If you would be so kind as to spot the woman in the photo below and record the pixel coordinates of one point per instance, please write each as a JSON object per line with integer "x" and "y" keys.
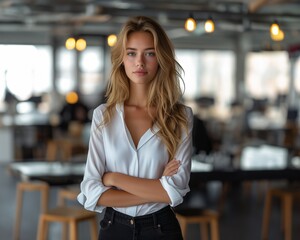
{"x": 140, "y": 147}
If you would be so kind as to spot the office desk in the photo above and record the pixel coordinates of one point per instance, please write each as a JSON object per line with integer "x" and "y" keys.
{"x": 238, "y": 175}
{"x": 65, "y": 173}
{"x": 54, "y": 173}
{"x": 254, "y": 164}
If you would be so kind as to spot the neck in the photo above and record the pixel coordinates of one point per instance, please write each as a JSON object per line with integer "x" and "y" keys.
{"x": 138, "y": 96}
{"x": 136, "y": 102}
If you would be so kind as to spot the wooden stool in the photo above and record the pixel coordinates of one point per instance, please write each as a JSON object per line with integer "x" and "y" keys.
{"x": 203, "y": 217}
{"x": 286, "y": 196}
{"x": 64, "y": 149}
{"x": 69, "y": 193}
{"x": 65, "y": 194}
{"x": 68, "y": 216}
{"x": 42, "y": 187}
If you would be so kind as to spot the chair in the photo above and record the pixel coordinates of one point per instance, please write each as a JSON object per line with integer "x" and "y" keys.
{"x": 66, "y": 146}
{"x": 68, "y": 216}
{"x": 30, "y": 186}
{"x": 205, "y": 218}
{"x": 69, "y": 193}
{"x": 64, "y": 195}
{"x": 286, "y": 195}
{"x": 64, "y": 149}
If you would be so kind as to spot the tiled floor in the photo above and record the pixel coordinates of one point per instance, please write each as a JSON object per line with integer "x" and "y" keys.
{"x": 241, "y": 218}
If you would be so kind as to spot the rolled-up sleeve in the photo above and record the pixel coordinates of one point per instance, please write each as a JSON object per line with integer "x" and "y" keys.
{"x": 177, "y": 186}
{"x": 92, "y": 187}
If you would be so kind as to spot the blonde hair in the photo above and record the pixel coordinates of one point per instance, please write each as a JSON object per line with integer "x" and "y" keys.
{"x": 164, "y": 90}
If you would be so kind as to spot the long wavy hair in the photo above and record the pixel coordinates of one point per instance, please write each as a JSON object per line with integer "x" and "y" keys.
{"x": 164, "y": 90}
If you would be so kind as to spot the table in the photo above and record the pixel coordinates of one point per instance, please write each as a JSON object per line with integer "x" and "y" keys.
{"x": 54, "y": 173}
{"x": 238, "y": 175}
{"x": 262, "y": 162}
{"x": 256, "y": 163}
{"x": 65, "y": 173}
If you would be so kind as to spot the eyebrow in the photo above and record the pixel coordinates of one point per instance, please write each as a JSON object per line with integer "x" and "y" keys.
{"x": 134, "y": 49}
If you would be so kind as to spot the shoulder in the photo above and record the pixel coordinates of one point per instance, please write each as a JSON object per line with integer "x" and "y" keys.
{"x": 189, "y": 116}
{"x": 99, "y": 111}
{"x": 188, "y": 112}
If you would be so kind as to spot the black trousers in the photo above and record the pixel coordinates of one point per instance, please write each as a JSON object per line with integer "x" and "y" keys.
{"x": 161, "y": 225}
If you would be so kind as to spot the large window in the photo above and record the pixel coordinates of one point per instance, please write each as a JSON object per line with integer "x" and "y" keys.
{"x": 208, "y": 74}
{"x": 297, "y": 75}
{"x": 91, "y": 69}
{"x": 81, "y": 71}
{"x": 65, "y": 70}
{"x": 267, "y": 74}
{"x": 25, "y": 70}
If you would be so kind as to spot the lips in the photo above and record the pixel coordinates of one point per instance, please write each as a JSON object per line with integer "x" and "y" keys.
{"x": 140, "y": 73}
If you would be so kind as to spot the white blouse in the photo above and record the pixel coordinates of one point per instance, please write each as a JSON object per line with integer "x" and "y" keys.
{"x": 111, "y": 149}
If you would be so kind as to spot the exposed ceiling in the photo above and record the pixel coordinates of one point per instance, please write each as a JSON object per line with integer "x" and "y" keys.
{"x": 234, "y": 18}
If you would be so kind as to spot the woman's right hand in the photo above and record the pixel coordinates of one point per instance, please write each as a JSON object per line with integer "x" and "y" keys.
{"x": 171, "y": 168}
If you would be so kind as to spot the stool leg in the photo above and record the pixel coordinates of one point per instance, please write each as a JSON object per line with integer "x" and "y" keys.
{"x": 42, "y": 229}
{"x": 288, "y": 202}
{"x": 44, "y": 199}
{"x": 72, "y": 231}
{"x": 183, "y": 226}
{"x": 64, "y": 231}
{"x": 214, "y": 226}
{"x": 203, "y": 231}
{"x": 44, "y": 205}
{"x": 266, "y": 216}
{"x": 18, "y": 216}
{"x": 94, "y": 229}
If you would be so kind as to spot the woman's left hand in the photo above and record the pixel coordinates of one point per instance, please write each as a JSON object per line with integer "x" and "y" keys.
{"x": 171, "y": 168}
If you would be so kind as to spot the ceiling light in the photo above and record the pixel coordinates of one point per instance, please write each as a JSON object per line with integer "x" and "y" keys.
{"x": 274, "y": 29}
{"x": 80, "y": 44}
{"x": 278, "y": 37}
{"x": 72, "y": 98}
{"x": 190, "y": 24}
{"x": 111, "y": 40}
{"x": 70, "y": 43}
{"x": 209, "y": 25}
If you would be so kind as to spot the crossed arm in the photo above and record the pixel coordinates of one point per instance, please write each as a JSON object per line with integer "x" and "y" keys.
{"x": 133, "y": 190}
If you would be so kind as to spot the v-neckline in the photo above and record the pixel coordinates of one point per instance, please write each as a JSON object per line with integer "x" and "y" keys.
{"x": 140, "y": 141}
{"x": 147, "y": 135}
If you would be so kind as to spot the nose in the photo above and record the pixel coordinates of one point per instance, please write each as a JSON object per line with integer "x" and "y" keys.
{"x": 140, "y": 64}
{"x": 140, "y": 61}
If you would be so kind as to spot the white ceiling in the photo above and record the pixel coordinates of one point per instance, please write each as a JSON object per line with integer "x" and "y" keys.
{"x": 235, "y": 19}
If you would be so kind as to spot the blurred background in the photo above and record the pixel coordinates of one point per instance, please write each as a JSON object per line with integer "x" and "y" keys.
{"x": 241, "y": 77}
